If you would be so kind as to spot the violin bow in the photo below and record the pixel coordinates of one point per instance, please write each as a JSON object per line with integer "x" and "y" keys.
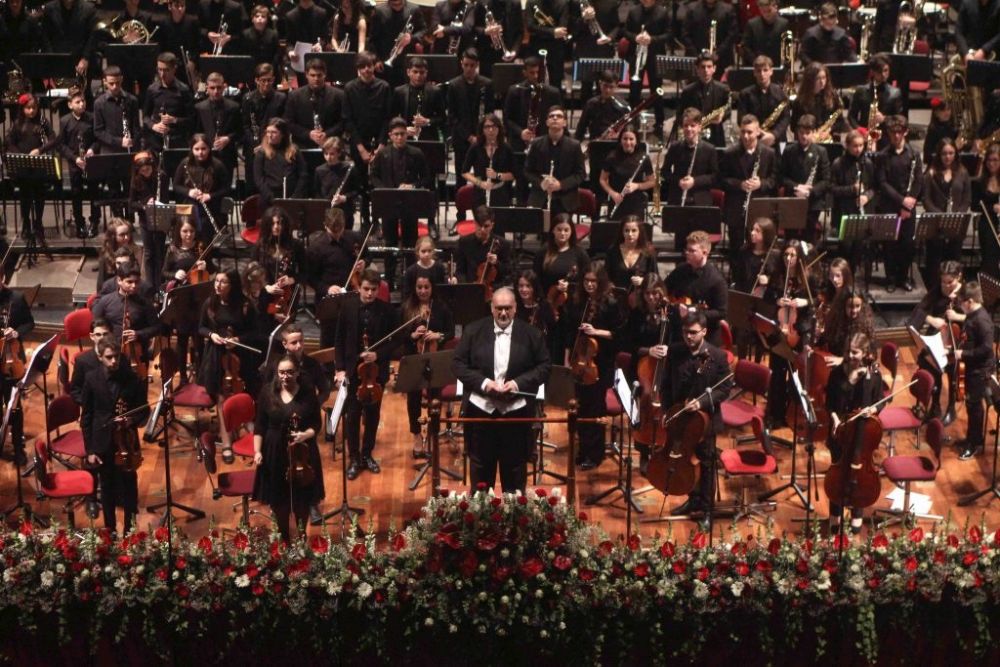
{"x": 393, "y": 332}
{"x": 881, "y": 401}
{"x": 130, "y": 412}
{"x": 982, "y": 205}
{"x": 763, "y": 264}
{"x": 211, "y": 243}
{"x": 707, "y": 391}
{"x": 354, "y": 266}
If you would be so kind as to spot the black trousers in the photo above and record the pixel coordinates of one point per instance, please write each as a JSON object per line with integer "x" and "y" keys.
{"x": 16, "y": 417}
{"x": 354, "y": 410}
{"x": 118, "y": 489}
{"x": 591, "y": 404}
{"x": 901, "y": 252}
{"x": 704, "y": 493}
{"x": 282, "y": 513}
{"x": 975, "y": 408}
{"x": 414, "y": 409}
{"x": 507, "y": 446}
{"x": 81, "y": 189}
{"x": 394, "y": 231}
{"x": 154, "y": 251}
{"x": 635, "y": 88}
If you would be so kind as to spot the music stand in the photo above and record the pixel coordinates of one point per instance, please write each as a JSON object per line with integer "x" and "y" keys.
{"x": 993, "y": 490}
{"x": 559, "y": 391}
{"x": 41, "y": 169}
{"x": 805, "y": 405}
{"x": 739, "y": 78}
{"x": 135, "y": 60}
{"x": 943, "y": 226}
{"x": 991, "y": 290}
{"x": 676, "y": 69}
{"x": 347, "y": 512}
{"x": 328, "y": 306}
{"x": 847, "y": 75}
{"x": 160, "y": 217}
{"x": 682, "y": 220}
{"x": 741, "y": 307}
{"x": 630, "y": 410}
{"x": 441, "y": 67}
{"x": 396, "y": 204}
{"x": 340, "y": 67}
{"x": 36, "y": 66}
{"x": 235, "y": 70}
{"x": 183, "y": 300}
{"x": 467, "y": 301}
{"x": 306, "y": 215}
{"x": 435, "y": 155}
{"x": 868, "y": 229}
{"x": 429, "y": 371}
{"x": 982, "y": 73}
{"x": 589, "y": 69}
{"x": 786, "y": 212}
{"x": 165, "y": 408}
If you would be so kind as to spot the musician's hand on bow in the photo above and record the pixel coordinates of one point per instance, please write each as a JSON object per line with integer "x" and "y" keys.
{"x": 274, "y": 290}
{"x": 179, "y": 275}
{"x": 230, "y": 342}
{"x": 129, "y": 335}
{"x": 587, "y": 329}
{"x": 433, "y": 335}
{"x": 692, "y": 406}
{"x": 369, "y": 356}
{"x": 763, "y": 280}
{"x": 658, "y": 351}
{"x": 788, "y": 302}
{"x": 419, "y": 332}
{"x": 297, "y": 437}
{"x": 953, "y": 316}
{"x": 686, "y": 183}
{"x": 832, "y": 361}
{"x": 10, "y": 333}
{"x": 868, "y": 412}
{"x": 334, "y": 290}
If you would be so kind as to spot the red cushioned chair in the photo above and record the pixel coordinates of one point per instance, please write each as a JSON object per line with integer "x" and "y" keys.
{"x": 76, "y": 325}
{"x": 752, "y": 378}
{"x": 63, "y": 370}
{"x": 726, "y": 334}
{"x": 464, "y": 203}
{"x": 588, "y": 208}
{"x": 238, "y": 484}
{"x": 190, "y": 395}
{"x": 74, "y": 486}
{"x": 239, "y": 412}
{"x": 383, "y": 291}
{"x": 613, "y": 407}
{"x": 62, "y": 411}
{"x": 904, "y": 470}
{"x": 750, "y": 462}
{"x": 91, "y": 300}
{"x": 250, "y": 214}
{"x": 889, "y": 356}
{"x": 899, "y": 418}
{"x": 920, "y": 48}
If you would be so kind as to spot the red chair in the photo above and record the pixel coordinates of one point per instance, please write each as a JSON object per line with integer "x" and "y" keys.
{"x": 76, "y": 324}
{"x": 74, "y": 486}
{"x": 752, "y": 378}
{"x": 238, "y": 484}
{"x": 898, "y": 418}
{"x": 250, "y": 214}
{"x": 63, "y": 370}
{"x": 239, "y": 411}
{"x": 904, "y": 470}
{"x": 889, "y": 356}
{"x": 383, "y": 291}
{"x": 614, "y": 408}
{"x": 588, "y": 208}
{"x": 726, "y": 334}
{"x": 189, "y": 395}
{"x": 920, "y": 48}
{"x": 62, "y": 411}
{"x": 750, "y": 462}
{"x": 464, "y": 202}
{"x": 90, "y": 302}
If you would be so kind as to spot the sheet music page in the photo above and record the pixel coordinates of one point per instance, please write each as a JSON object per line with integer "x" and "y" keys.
{"x": 935, "y": 345}
{"x": 302, "y": 50}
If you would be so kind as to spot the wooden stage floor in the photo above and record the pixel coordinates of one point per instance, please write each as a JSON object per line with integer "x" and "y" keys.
{"x": 387, "y": 501}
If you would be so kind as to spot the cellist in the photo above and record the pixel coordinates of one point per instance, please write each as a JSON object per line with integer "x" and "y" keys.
{"x": 16, "y": 322}
{"x": 591, "y": 313}
{"x": 646, "y": 334}
{"x": 929, "y": 318}
{"x": 694, "y": 367}
{"x": 854, "y": 385}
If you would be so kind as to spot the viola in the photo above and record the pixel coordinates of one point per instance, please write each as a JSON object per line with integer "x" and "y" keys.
{"x": 300, "y": 470}
{"x": 11, "y": 351}
{"x": 132, "y": 350}
{"x": 649, "y": 372}
{"x": 369, "y": 389}
{"x": 673, "y": 467}
{"x": 852, "y": 480}
{"x": 128, "y": 453}
{"x": 486, "y": 273}
{"x": 229, "y": 360}
{"x": 582, "y": 360}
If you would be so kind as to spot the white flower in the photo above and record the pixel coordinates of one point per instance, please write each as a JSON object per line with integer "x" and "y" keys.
{"x": 737, "y": 588}
{"x": 332, "y": 588}
{"x": 427, "y": 621}
{"x": 700, "y": 590}
{"x": 539, "y": 593}
{"x": 242, "y": 581}
{"x": 47, "y": 579}
{"x": 364, "y": 590}
{"x": 823, "y": 582}
{"x": 504, "y": 599}
{"x": 60, "y": 568}
{"x": 120, "y": 583}
{"x": 452, "y": 628}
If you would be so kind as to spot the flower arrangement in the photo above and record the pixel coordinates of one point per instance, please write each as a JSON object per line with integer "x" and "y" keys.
{"x": 499, "y": 579}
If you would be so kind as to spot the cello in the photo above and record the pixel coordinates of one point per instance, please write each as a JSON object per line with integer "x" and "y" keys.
{"x": 852, "y": 479}
{"x": 673, "y": 467}
{"x": 581, "y": 361}
{"x": 650, "y": 375}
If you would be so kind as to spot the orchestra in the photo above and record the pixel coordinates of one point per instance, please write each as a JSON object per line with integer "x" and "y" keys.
{"x": 527, "y": 104}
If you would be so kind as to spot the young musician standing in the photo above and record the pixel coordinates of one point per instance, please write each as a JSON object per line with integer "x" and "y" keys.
{"x": 747, "y": 170}
{"x": 282, "y": 257}
{"x": 852, "y": 188}
{"x": 337, "y": 181}
{"x": 527, "y": 105}
{"x": 27, "y": 135}
{"x": 364, "y": 323}
{"x": 279, "y": 170}
{"x": 330, "y": 257}
{"x": 88, "y": 360}
{"x": 980, "y": 364}
{"x": 555, "y": 167}
{"x": 827, "y": 42}
{"x": 315, "y": 111}
{"x": 897, "y": 178}
{"x": 947, "y": 189}
{"x": 762, "y": 35}
{"x": 75, "y": 143}
{"x": 601, "y": 111}
{"x": 706, "y": 95}
{"x": 15, "y": 315}
{"x": 116, "y": 130}
{"x": 547, "y": 23}
{"x": 468, "y": 98}
{"x": 366, "y": 118}
{"x": 647, "y": 24}
{"x": 203, "y": 180}
{"x": 690, "y": 165}
{"x": 986, "y": 195}
{"x": 219, "y": 120}
{"x": 419, "y": 103}
{"x": 632, "y": 258}
{"x": 396, "y": 22}
{"x": 762, "y": 99}
{"x": 260, "y": 106}
{"x": 169, "y": 108}
{"x": 626, "y": 176}
{"x": 805, "y": 171}
{"x": 144, "y": 325}
{"x": 890, "y": 99}
{"x": 929, "y": 317}
{"x": 489, "y": 164}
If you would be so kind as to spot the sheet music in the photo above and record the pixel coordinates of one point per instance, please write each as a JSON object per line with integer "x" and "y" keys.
{"x": 933, "y": 343}
{"x": 338, "y": 409}
{"x": 302, "y": 49}
{"x": 624, "y": 393}
{"x": 540, "y": 394}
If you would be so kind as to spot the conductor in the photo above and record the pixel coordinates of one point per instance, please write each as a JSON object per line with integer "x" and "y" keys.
{"x": 501, "y": 363}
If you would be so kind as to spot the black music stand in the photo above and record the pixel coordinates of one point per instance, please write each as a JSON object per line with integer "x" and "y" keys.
{"x": 739, "y": 78}
{"x": 467, "y": 301}
{"x": 943, "y": 226}
{"x": 396, "y": 204}
{"x": 518, "y": 221}
{"x": 340, "y": 67}
{"x": 306, "y": 215}
{"x": 982, "y": 73}
{"x": 682, "y": 220}
{"x": 786, "y": 212}
{"x": 43, "y": 170}
{"x": 110, "y": 168}
{"x": 907, "y": 67}
{"x": 328, "y": 306}
{"x": 991, "y": 290}
{"x": 346, "y": 511}
{"x": 847, "y": 75}
{"x": 590, "y": 69}
{"x": 429, "y": 371}
{"x": 993, "y": 490}
{"x": 135, "y": 60}
{"x": 441, "y": 67}
{"x": 154, "y": 429}
{"x": 868, "y": 229}
{"x": 184, "y": 302}
{"x": 236, "y": 70}
{"x": 160, "y": 217}
{"x": 36, "y": 66}
{"x": 675, "y": 68}
{"x": 740, "y": 310}
{"x": 627, "y": 398}
{"x": 560, "y": 390}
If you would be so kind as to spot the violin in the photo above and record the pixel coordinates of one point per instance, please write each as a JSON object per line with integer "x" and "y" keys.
{"x": 229, "y": 360}
{"x": 673, "y": 466}
{"x": 128, "y": 453}
{"x": 556, "y": 297}
{"x": 132, "y": 350}
{"x": 11, "y": 351}
{"x": 486, "y": 273}
{"x": 581, "y": 361}
{"x": 649, "y": 372}
{"x": 300, "y": 470}
{"x": 369, "y": 389}
{"x": 852, "y": 479}
{"x": 423, "y": 345}
{"x": 788, "y": 315}
{"x": 281, "y": 305}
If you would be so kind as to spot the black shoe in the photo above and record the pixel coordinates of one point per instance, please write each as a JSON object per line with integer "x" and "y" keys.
{"x": 961, "y": 444}
{"x": 587, "y": 465}
{"x": 315, "y": 517}
{"x": 372, "y": 465}
{"x": 690, "y": 506}
{"x": 93, "y": 509}
{"x": 643, "y": 464}
{"x": 970, "y": 452}
{"x": 421, "y": 454}
{"x": 353, "y": 470}
{"x": 227, "y": 455}
{"x": 908, "y": 285}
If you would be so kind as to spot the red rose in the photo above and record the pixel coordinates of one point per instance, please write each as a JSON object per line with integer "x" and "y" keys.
{"x": 911, "y": 584}
{"x": 480, "y": 486}
{"x": 702, "y": 574}
{"x": 359, "y": 551}
{"x": 319, "y": 544}
{"x": 398, "y": 542}
{"x": 26, "y": 527}
{"x": 939, "y": 556}
{"x": 241, "y": 541}
{"x": 953, "y": 541}
{"x": 605, "y": 548}
{"x": 541, "y": 493}
{"x": 469, "y": 564}
{"x": 469, "y": 518}
{"x": 496, "y": 502}
{"x": 161, "y": 574}
{"x": 582, "y": 516}
{"x": 183, "y": 591}
{"x": 764, "y": 567}
{"x": 180, "y": 563}
{"x": 379, "y": 597}
{"x": 553, "y": 501}
{"x": 532, "y": 567}
{"x": 700, "y": 540}
{"x": 917, "y": 535}
{"x": 969, "y": 558}
{"x": 562, "y": 562}
{"x": 667, "y": 549}
{"x": 911, "y": 564}
{"x": 975, "y": 534}
{"x": 586, "y": 575}
{"x": 774, "y": 546}
{"x": 161, "y": 534}
{"x": 802, "y": 584}
{"x": 880, "y": 541}
{"x": 125, "y": 560}
{"x": 463, "y": 505}
{"x": 522, "y": 500}
{"x": 679, "y": 567}
{"x": 977, "y": 580}
{"x": 841, "y": 541}
{"x": 252, "y": 571}
{"x": 257, "y": 589}
{"x": 641, "y": 570}
{"x": 556, "y": 540}
{"x": 802, "y": 566}
{"x": 634, "y": 542}
{"x": 205, "y": 544}
{"x": 830, "y": 565}
{"x": 550, "y": 517}
{"x": 742, "y": 569}
{"x": 874, "y": 582}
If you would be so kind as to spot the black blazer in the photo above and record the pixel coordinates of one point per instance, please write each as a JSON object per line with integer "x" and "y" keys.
{"x": 303, "y": 103}
{"x": 681, "y": 383}
{"x": 382, "y": 320}
{"x": 529, "y": 362}
{"x": 82, "y": 366}
{"x": 100, "y": 393}
{"x": 517, "y": 106}
{"x": 569, "y": 169}
{"x": 416, "y": 168}
{"x": 222, "y": 120}
{"x": 732, "y": 173}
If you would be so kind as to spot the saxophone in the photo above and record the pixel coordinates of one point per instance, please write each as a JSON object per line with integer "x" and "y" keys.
{"x": 771, "y": 120}
{"x": 714, "y": 116}
{"x": 824, "y": 129}
{"x": 874, "y": 134}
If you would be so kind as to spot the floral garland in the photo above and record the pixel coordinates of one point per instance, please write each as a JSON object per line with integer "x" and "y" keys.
{"x": 502, "y": 577}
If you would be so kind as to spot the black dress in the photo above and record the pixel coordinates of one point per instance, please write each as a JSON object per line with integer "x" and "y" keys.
{"x": 476, "y": 162}
{"x": 620, "y": 274}
{"x": 620, "y": 167}
{"x": 226, "y": 321}
{"x": 271, "y": 485}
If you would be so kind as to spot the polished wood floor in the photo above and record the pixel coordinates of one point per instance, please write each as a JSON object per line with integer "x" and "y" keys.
{"x": 388, "y": 502}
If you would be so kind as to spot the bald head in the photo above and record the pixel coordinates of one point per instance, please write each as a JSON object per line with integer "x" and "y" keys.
{"x": 504, "y": 305}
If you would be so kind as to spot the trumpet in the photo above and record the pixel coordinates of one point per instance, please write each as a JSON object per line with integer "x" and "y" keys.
{"x": 496, "y": 38}
{"x": 713, "y": 28}
{"x": 339, "y": 47}
{"x": 593, "y": 24}
{"x": 398, "y": 47}
{"x": 547, "y": 21}
{"x": 641, "y": 55}
{"x": 223, "y": 30}
{"x": 456, "y": 24}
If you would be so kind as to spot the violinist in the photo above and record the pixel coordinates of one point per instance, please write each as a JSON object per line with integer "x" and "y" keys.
{"x": 701, "y": 284}
{"x": 849, "y": 314}
{"x": 254, "y": 279}
{"x": 183, "y": 259}
{"x": 330, "y": 256}
{"x": 87, "y": 360}
{"x": 226, "y": 369}
{"x": 426, "y": 266}
{"x": 122, "y": 256}
{"x": 482, "y": 247}
{"x": 749, "y": 262}
{"x": 337, "y": 181}
{"x": 986, "y": 194}
{"x": 281, "y": 255}
{"x": 978, "y": 355}
{"x": 143, "y": 322}
{"x": 427, "y": 334}
{"x": 854, "y": 385}
{"x": 694, "y": 367}
{"x": 279, "y": 169}
{"x": 746, "y": 170}
{"x": 531, "y": 304}
{"x": 118, "y": 234}
{"x": 203, "y": 180}
{"x": 287, "y": 412}
{"x": 791, "y": 288}
{"x": 929, "y": 317}
{"x": 144, "y": 191}
{"x": 16, "y": 322}
{"x": 364, "y": 322}
{"x": 489, "y": 164}
{"x": 947, "y": 189}
{"x": 589, "y": 326}
{"x": 626, "y": 177}
{"x": 107, "y": 389}
{"x": 563, "y": 260}
{"x": 645, "y": 328}
{"x": 633, "y": 257}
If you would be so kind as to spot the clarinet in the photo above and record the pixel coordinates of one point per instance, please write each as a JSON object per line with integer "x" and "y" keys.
{"x": 694, "y": 154}
{"x": 126, "y": 130}
{"x": 340, "y": 188}
{"x": 489, "y": 191}
{"x": 204, "y": 207}
{"x": 812, "y": 173}
{"x": 631, "y": 180}
{"x": 861, "y": 207}
{"x": 166, "y": 135}
{"x": 753, "y": 175}
{"x": 418, "y": 112}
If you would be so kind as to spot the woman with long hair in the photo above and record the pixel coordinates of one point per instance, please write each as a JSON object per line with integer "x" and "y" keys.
{"x": 287, "y": 412}
{"x": 435, "y": 326}
{"x": 143, "y": 192}
{"x": 348, "y": 21}
{"x": 947, "y": 189}
{"x": 118, "y": 234}
{"x": 817, "y": 96}
{"x": 182, "y": 258}
{"x": 279, "y": 169}
{"x": 489, "y": 164}
{"x": 647, "y": 320}
{"x": 748, "y": 263}
{"x": 839, "y": 279}
{"x": 281, "y": 256}
{"x": 202, "y": 181}
{"x": 562, "y": 260}
{"x": 849, "y": 314}
{"x": 986, "y": 195}
{"x": 627, "y": 196}
{"x": 225, "y": 317}
{"x": 633, "y": 256}
{"x": 531, "y": 304}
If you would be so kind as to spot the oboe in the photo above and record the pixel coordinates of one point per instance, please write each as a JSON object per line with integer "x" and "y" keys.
{"x": 489, "y": 180}
{"x": 858, "y": 184}
{"x": 548, "y": 200}
{"x": 340, "y": 188}
{"x": 694, "y": 154}
{"x": 631, "y": 180}
{"x": 753, "y": 175}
